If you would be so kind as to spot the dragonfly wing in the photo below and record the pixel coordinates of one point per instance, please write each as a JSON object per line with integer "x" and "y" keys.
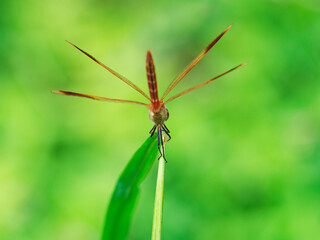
{"x": 122, "y": 78}
{"x": 192, "y": 64}
{"x": 204, "y": 83}
{"x": 98, "y": 98}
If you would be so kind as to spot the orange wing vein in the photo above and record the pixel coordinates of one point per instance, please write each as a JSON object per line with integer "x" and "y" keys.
{"x": 192, "y": 64}
{"x": 99, "y": 98}
{"x": 204, "y": 83}
{"x": 127, "y": 81}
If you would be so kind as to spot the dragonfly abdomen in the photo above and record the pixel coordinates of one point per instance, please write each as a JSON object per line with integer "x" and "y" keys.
{"x": 152, "y": 82}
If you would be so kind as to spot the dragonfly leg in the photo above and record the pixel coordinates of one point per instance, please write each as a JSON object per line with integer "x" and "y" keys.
{"x": 162, "y": 147}
{"x": 158, "y": 131}
{"x": 165, "y": 129}
{"x": 152, "y": 131}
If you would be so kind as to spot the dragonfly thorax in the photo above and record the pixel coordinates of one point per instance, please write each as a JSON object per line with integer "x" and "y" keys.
{"x": 159, "y": 117}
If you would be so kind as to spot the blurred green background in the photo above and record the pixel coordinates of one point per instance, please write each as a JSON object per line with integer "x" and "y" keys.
{"x": 244, "y": 159}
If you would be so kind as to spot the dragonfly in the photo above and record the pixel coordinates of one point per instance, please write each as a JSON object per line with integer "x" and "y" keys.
{"x": 158, "y": 112}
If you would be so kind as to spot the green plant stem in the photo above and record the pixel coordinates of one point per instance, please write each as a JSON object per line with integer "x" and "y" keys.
{"x": 158, "y": 204}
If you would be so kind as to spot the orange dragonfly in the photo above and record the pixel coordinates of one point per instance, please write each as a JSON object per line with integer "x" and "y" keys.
{"x": 158, "y": 112}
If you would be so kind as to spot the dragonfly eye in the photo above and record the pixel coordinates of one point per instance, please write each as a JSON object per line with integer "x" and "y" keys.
{"x": 167, "y": 114}
{"x": 164, "y": 113}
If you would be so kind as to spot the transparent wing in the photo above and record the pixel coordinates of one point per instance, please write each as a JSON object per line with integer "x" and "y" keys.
{"x": 122, "y": 78}
{"x": 204, "y": 83}
{"x": 99, "y": 98}
{"x": 192, "y": 64}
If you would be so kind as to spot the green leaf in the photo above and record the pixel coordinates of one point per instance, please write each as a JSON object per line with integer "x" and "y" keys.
{"x": 125, "y": 194}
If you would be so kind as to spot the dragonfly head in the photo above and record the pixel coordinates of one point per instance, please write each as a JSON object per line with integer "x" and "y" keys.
{"x": 160, "y": 116}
